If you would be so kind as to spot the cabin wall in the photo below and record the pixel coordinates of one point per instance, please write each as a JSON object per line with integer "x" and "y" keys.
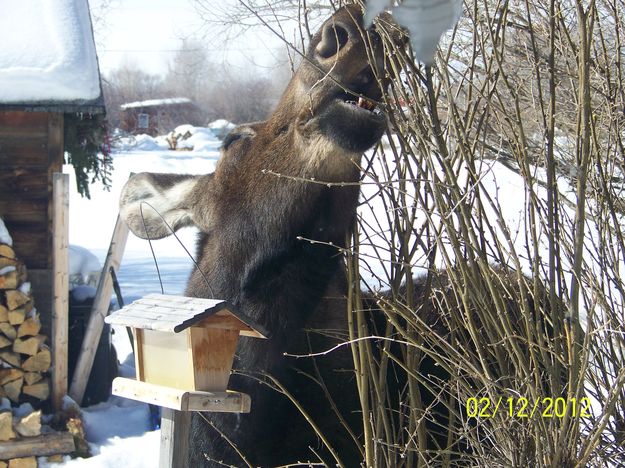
{"x": 31, "y": 150}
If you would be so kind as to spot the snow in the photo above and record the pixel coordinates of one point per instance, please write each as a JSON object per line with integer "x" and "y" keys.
{"x": 25, "y": 287}
{"x": 196, "y": 138}
{"x": 221, "y": 127}
{"x": 141, "y": 142}
{"x": 155, "y": 102}
{"x": 118, "y": 417}
{"x": 220, "y": 124}
{"x": 23, "y": 410}
{"x": 7, "y": 269}
{"x": 84, "y": 267}
{"x": 48, "y": 55}
{"x": 5, "y": 237}
{"x": 83, "y": 292}
{"x": 141, "y": 451}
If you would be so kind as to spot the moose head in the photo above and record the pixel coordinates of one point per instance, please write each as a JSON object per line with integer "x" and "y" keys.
{"x": 327, "y": 117}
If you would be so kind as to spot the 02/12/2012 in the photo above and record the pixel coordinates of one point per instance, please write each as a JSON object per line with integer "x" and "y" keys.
{"x": 524, "y": 408}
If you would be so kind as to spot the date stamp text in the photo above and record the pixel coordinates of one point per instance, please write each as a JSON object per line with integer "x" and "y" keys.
{"x": 524, "y": 408}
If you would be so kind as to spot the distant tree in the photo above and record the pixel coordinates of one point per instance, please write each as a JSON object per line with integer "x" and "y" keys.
{"x": 245, "y": 14}
{"x": 100, "y": 11}
{"x": 128, "y": 83}
{"x": 241, "y": 100}
{"x": 190, "y": 72}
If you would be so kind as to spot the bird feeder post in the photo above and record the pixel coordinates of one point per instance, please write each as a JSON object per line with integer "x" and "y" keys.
{"x": 184, "y": 350}
{"x": 175, "y": 427}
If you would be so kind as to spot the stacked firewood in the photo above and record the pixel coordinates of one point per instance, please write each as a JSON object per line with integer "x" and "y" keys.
{"x": 23, "y": 423}
{"x": 24, "y": 357}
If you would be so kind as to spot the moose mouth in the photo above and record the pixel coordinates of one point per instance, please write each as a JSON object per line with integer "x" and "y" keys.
{"x": 353, "y": 121}
{"x": 362, "y": 95}
{"x": 360, "y": 103}
{"x": 349, "y": 114}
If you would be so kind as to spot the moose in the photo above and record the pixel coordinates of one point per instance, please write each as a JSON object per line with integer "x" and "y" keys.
{"x": 281, "y": 200}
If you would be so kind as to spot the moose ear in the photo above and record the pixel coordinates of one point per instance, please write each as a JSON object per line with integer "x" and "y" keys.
{"x": 155, "y": 205}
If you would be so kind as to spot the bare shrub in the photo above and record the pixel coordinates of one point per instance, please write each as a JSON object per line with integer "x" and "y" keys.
{"x": 535, "y": 87}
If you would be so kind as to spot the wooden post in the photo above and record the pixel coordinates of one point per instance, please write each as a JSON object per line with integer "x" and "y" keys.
{"x": 174, "y": 438}
{"x": 60, "y": 304}
{"x": 98, "y": 312}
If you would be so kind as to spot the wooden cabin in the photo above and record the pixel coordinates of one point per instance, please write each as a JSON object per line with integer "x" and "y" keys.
{"x": 159, "y": 116}
{"x": 37, "y": 93}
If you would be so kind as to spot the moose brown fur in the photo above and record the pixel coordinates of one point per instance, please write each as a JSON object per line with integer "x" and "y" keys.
{"x": 257, "y": 214}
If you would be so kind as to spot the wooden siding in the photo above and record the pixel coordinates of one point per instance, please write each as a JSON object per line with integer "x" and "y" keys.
{"x": 31, "y": 150}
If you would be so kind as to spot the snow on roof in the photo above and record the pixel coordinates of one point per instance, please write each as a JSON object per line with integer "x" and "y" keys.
{"x": 48, "y": 53}
{"x": 155, "y": 102}
{"x": 174, "y": 314}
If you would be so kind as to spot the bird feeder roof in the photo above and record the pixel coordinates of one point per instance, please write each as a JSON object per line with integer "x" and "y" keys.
{"x": 174, "y": 314}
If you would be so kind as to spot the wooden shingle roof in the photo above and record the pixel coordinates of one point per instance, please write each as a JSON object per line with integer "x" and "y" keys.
{"x": 176, "y": 313}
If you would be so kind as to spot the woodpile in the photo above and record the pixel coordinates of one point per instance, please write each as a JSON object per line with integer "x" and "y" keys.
{"x": 24, "y": 356}
{"x": 25, "y": 361}
{"x": 22, "y": 437}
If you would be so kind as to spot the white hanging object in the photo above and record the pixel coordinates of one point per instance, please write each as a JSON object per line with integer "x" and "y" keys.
{"x": 426, "y": 20}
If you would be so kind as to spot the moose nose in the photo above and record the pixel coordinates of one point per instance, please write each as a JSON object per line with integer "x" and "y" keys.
{"x": 334, "y": 37}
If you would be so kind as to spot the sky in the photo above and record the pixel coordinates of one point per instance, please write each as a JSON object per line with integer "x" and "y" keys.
{"x": 148, "y": 33}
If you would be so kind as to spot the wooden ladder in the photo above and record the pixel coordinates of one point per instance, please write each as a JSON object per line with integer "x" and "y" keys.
{"x": 99, "y": 311}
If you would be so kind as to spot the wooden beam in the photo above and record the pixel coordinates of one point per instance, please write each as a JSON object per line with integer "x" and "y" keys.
{"x": 182, "y": 400}
{"x": 174, "y": 450}
{"x": 99, "y": 312}
{"x": 45, "y": 444}
{"x": 56, "y": 151}
{"x": 60, "y": 289}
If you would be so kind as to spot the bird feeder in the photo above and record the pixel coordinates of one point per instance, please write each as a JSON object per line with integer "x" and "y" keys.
{"x": 184, "y": 350}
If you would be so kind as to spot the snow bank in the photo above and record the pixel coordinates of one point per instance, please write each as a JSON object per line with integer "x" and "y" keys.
{"x": 196, "y": 138}
{"x": 84, "y": 267}
{"x": 118, "y": 417}
{"x": 140, "y": 142}
{"x": 83, "y": 293}
{"x": 132, "y": 452}
{"x": 47, "y": 52}
{"x": 220, "y": 127}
